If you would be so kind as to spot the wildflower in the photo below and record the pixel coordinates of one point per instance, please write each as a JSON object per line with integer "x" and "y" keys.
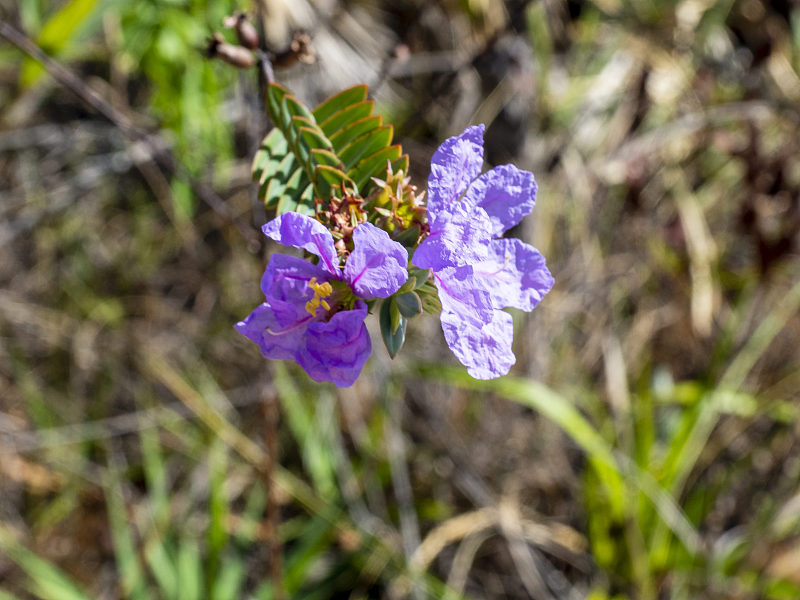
{"x": 314, "y": 314}
{"x": 477, "y": 272}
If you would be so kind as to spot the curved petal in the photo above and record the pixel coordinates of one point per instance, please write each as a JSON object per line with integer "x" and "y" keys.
{"x": 377, "y": 267}
{"x": 514, "y": 275}
{"x": 506, "y": 193}
{"x": 336, "y": 350}
{"x": 481, "y": 341}
{"x": 454, "y": 165}
{"x": 459, "y": 292}
{"x": 285, "y": 286}
{"x": 301, "y": 231}
{"x": 459, "y": 238}
{"x": 258, "y": 327}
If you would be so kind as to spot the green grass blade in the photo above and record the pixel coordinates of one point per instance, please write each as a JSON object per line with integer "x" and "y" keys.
{"x": 47, "y": 581}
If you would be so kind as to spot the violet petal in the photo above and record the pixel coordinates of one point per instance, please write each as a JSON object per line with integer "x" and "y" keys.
{"x": 301, "y": 231}
{"x": 377, "y": 267}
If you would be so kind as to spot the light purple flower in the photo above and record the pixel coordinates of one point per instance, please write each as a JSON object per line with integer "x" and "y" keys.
{"x": 314, "y": 314}
{"x": 477, "y": 272}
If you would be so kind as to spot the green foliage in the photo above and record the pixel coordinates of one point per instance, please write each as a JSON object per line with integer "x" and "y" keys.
{"x": 312, "y": 156}
{"x": 56, "y": 33}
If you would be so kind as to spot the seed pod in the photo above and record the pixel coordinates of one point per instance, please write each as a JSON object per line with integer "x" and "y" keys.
{"x": 246, "y": 32}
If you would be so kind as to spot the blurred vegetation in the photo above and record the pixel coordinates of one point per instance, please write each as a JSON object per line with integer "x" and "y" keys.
{"x": 646, "y": 443}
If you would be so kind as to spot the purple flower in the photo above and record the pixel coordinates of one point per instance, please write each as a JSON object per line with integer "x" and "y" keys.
{"x": 477, "y": 272}
{"x": 314, "y": 314}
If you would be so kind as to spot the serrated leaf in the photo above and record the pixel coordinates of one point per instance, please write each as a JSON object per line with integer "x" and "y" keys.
{"x": 374, "y": 166}
{"x": 335, "y": 103}
{"x": 409, "y": 304}
{"x": 344, "y": 136}
{"x": 392, "y": 340}
{"x": 367, "y": 144}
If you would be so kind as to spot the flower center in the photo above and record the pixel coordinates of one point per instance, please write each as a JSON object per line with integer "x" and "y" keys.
{"x": 321, "y": 291}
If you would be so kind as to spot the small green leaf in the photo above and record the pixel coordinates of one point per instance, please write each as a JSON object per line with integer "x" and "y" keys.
{"x": 420, "y": 275}
{"x": 392, "y": 340}
{"x": 374, "y": 166}
{"x": 326, "y": 177}
{"x": 401, "y": 164}
{"x": 314, "y": 138}
{"x": 343, "y": 118}
{"x": 367, "y": 144}
{"x": 275, "y": 94}
{"x": 298, "y": 109}
{"x": 344, "y": 136}
{"x": 409, "y": 237}
{"x": 430, "y": 298}
{"x": 344, "y": 98}
{"x": 395, "y": 315}
{"x": 325, "y": 157}
{"x": 409, "y": 304}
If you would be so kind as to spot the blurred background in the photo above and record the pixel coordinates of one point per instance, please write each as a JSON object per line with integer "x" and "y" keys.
{"x": 645, "y": 445}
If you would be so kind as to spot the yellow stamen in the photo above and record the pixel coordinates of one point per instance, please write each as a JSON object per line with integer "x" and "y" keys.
{"x": 321, "y": 291}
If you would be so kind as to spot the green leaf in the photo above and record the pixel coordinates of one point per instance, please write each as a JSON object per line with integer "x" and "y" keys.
{"x": 344, "y": 117}
{"x": 374, "y": 166}
{"x": 408, "y": 237}
{"x": 393, "y": 340}
{"x": 314, "y": 138}
{"x": 275, "y": 94}
{"x": 325, "y": 178}
{"x": 48, "y": 582}
{"x": 55, "y": 35}
{"x": 343, "y": 137}
{"x": 409, "y": 304}
{"x": 344, "y": 98}
{"x": 401, "y": 164}
{"x": 366, "y": 145}
{"x": 321, "y": 157}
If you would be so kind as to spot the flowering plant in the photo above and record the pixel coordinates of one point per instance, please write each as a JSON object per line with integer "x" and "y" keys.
{"x": 342, "y": 196}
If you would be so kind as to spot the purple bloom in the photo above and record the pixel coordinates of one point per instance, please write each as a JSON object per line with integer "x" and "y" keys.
{"x": 477, "y": 272}
{"x": 314, "y": 314}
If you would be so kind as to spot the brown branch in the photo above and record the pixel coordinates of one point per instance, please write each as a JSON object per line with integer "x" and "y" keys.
{"x": 125, "y": 124}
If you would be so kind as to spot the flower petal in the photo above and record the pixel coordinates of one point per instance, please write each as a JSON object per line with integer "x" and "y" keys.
{"x": 454, "y": 165}
{"x": 460, "y": 237}
{"x": 336, "y": 350}
{"x": 459, "y": 292}
{"x": 514, "y": 275}
{"x": 506, "y": 193}
{"x": 481, "y": 341}
{"x": 258, "y": 327}
{"x": 377, "y": 267}
{"x": 285, "y": 286}
{"x": 301, "y": 231}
